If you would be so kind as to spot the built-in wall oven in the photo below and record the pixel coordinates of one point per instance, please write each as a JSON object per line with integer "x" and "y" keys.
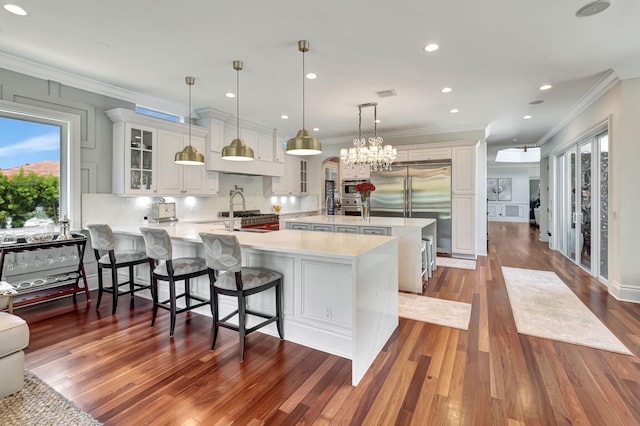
{"x": 350, "y": 198}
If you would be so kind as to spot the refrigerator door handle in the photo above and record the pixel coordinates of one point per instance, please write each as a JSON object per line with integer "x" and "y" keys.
{"x": 409, "y": 196}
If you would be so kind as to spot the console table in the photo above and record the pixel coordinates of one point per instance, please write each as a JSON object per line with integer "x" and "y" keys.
{"x": 63, "y": 282}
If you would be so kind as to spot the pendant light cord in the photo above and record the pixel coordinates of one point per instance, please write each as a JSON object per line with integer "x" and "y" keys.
{"x": 303, "y": 114}
{"x": 238, "y": 103}
{"x": 375, "y": 121}
{"x": 189, "y": 114}
{"x": 359, "y": 123}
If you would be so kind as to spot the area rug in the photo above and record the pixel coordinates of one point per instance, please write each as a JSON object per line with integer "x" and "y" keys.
{"x": 543, "y": 306}
{"x": 450, "y": 262}
{"x": 39, "y": 404}
{"x": 434, "y": 311}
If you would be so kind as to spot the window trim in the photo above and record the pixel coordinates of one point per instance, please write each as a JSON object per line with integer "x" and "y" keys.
{"x": 70, "y": 152}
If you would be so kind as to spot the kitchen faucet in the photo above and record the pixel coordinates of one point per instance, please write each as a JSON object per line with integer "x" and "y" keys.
{"x": 235, "y": 191}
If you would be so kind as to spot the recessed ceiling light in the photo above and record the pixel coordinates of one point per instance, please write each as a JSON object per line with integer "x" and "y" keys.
{"x": 454, "y": 110}
{"x": 311, "y": 76}
{"x": 15, "y": 9}
{"x": 315, "y": 129}
{"x": 546, "y": 87}
{"x": 526, "y": 117}
{"x": 284, "y": 116}
{"x": 593, "y": 8}
{"x": 230, "y": 95}
{"x": 536, "y": 102}
{"x": 446, "y": 89}
{"x": 515, "y": 139}
{"x": 431, "y": 47}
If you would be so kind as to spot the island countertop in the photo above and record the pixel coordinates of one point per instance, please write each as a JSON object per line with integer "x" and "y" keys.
{"x": 406, "y": 222}
{"x": 288, "y": 241}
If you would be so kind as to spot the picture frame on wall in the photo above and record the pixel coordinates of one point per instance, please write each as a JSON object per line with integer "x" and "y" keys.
{"x": 499, "y": 189}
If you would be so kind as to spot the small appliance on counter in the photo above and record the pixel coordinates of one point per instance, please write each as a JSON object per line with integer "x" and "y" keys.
{"x": 163, "y": 212}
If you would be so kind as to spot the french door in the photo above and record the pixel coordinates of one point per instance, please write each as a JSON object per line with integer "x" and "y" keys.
{"x": 582, "y": 178}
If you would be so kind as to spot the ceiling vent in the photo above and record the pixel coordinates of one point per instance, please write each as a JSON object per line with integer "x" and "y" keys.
{"x": 386, "y": 93}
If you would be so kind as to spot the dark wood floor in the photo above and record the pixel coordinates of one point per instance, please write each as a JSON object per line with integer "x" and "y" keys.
{"x": 125, "y": 373}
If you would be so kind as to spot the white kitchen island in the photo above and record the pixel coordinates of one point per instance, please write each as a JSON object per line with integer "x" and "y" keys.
{"x": 340, "y": 291}
{"x": 410, "y": 233}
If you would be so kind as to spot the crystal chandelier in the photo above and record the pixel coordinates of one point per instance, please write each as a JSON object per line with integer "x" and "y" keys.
{"x": 372, "y": 155}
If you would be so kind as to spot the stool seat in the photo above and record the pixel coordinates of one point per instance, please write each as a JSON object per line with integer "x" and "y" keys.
{"x": 251, "y": 278}
{"x": 182, "y": 266}
{"x": 124, "y": 256}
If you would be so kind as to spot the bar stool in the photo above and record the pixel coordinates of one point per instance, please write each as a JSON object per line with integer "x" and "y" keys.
{"x": 102, "y": 240}
{"x": 222, "y": 253}
{"x": 430, "y": 254}
{"x": 158, "y": 246}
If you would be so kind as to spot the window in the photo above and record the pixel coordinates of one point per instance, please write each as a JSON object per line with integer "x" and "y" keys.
{"x": 68, "y": 126}
{"x": 158, "y": 114}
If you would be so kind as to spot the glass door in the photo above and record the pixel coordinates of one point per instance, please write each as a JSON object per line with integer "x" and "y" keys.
{"x": 583, "y": 216}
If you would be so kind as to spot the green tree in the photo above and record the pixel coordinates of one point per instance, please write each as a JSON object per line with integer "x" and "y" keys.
{"x": 21, "y": 193}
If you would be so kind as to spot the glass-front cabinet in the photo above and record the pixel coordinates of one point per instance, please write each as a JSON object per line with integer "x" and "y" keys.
{"x": 141, "y": 153}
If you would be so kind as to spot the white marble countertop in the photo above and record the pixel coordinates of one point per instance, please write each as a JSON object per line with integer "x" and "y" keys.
{"x": 288, "y": 241}
{"x": 373, "y": 221}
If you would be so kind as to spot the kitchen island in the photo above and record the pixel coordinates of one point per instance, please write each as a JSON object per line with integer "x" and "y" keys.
{"x": 410, "y": 233}
{"x": 340, "y": 291}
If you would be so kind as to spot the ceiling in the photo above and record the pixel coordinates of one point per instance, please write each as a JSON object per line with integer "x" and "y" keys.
{"x": 494, "y": 54}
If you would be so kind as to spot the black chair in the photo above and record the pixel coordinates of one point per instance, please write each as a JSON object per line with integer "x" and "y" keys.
{"x": 222, "y": 253}
{"x": 102, "y": 240}
{"x": 158, "y": 246}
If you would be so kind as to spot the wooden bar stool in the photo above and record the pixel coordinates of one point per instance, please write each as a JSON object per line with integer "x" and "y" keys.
{"x": 158, "y": 246}
{"x": 222, "y": 253}
{"x": 102, "y": 240}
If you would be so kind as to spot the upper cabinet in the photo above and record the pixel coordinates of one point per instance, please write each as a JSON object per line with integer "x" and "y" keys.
{"x": 463, "y": 164}
{"x": 144, "y": 149}
{"x": 265, "y": 142}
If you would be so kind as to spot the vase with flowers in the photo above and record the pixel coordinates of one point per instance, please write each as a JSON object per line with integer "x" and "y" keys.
{"x": 365, "y": 189}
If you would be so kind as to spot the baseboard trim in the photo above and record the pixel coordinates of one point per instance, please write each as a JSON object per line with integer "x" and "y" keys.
{"x": 624, "y": 293}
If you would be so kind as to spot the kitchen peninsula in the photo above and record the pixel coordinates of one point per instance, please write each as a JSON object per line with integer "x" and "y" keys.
{"x": 340, "y": 290}
{"x": 410, "y": 233}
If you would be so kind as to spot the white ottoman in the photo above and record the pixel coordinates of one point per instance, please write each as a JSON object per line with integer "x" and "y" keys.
{"x": 14, "y": 336}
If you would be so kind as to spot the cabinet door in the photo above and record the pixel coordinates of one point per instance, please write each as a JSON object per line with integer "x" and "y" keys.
{"x": 265, "y": 147}
{"x": 212, "y": 182}
{"x": 290, "y": 182}
{"x": 216, "y": 135}
{"x": 169, "y": 174}
{"x": 427, "y": 154}
{"x": 347, "y": 229}
{"x": 279, "y": 149}
{"x": 463, "y": 228}
{"x": 463, "y": 170}
{"x": 194, "y": 177}
{"x": 298, "y": 226}
{"x": 374, "y": 230}
{"x": 140, "y": 159}
{"x": 322, "y": 227}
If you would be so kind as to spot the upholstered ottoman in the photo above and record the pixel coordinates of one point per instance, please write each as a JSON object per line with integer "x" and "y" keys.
{"x": 14, "y": 336}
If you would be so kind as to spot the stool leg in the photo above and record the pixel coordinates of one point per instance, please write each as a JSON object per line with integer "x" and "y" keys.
{"x": 154, "y": 296}
{"x": 280, "y": 322}
{"x": 114, "y": 286}
{"x": 242, "y": 318}
{"x": 172, "y": 302}
{"x": 215, "y": 319}
{"x": 131, "y": 279}
{"x": 100, "y": 288}
{"x": 187, "y": 292}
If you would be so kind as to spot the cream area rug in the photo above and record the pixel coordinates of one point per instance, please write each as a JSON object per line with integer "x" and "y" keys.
{"x": 451, "y": 262}
{"x": 39, "y": 404}
{"x": 435, "y": 311}
{"x": 543, "y": 306}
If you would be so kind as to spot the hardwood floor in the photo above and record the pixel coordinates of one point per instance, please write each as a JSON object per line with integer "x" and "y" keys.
{"x": 125, "y": 373}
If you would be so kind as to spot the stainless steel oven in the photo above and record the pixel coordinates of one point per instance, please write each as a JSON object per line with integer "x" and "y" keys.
{"x": 350, "y": 198}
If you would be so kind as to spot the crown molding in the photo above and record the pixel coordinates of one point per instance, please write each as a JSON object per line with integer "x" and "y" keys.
{"x": 47, "y": 73}
{"x": 627, "y": 72}
{"x": 608, "y": 80}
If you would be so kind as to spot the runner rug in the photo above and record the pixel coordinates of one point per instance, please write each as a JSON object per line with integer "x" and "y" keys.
{"x": 450, "y": 262}
{"x": 543, "y": 306}
{"x": 39, "y": 404}
{"x": 435, "y": 311}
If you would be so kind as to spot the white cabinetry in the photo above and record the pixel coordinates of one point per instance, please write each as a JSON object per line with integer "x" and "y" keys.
{"x": 288, "y": 184}
{"x": 463, "y": 201}
{"x": 144, "y": 150}
{"x": 356, "y": 172}
{"x": 429, "y": 154}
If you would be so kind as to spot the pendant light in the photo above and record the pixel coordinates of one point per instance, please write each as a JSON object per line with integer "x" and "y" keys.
{"x": 303, "y": 143}
{"x": 237, "y": 150}
{"x": 189, "y": 156}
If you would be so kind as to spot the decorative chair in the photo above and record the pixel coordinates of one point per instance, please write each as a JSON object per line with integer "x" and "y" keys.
{"x": 102, "y": 240}
{"x": 14, "y": 337}
{"x": 158, "y": 246}
{"x": 222, "y": 253}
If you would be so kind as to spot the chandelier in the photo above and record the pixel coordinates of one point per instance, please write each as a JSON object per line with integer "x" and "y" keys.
{"x": 372, "y": 155}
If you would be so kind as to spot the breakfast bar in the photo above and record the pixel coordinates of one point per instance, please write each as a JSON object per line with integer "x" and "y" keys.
{"x": 340, "y": 290}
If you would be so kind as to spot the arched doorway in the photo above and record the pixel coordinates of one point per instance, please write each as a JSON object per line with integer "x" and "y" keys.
{"x": 330, "y": 170}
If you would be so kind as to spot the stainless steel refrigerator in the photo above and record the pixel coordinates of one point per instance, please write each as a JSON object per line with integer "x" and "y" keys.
{"x": 419, "y": 191}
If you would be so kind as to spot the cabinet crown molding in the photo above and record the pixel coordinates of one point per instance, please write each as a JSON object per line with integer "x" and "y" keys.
{"x": 123, "y": 114}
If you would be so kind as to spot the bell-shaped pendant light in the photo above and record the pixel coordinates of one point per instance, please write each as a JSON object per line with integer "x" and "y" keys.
{"x": 237, "y": 150}
{"x": 189, "y": 156}
{"x": 303, "y": 143}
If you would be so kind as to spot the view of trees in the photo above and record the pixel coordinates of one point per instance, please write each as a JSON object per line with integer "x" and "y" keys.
{"x": 21, "y": 193}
